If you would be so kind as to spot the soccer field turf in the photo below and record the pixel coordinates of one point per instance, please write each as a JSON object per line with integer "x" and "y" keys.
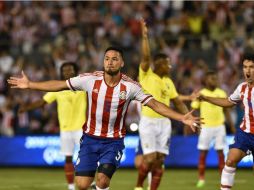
{"x": 124, "y": 179}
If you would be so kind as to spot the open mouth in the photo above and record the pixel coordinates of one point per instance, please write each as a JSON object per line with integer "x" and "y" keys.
{"x": 247, "y": 76}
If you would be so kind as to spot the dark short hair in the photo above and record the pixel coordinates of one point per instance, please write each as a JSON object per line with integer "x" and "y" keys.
{"x": 158, "y": 56}
{"x": 207, "y": 74}
{"x": 69, "y": 63}
{"x": 114, "y": 48}
{"x": 248, "y": 56}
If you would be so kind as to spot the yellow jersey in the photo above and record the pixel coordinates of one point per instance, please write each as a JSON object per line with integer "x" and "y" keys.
{"x": 71, "y": 108}
{"x": 213, "y": 115}
{"x": 162, "y": 89}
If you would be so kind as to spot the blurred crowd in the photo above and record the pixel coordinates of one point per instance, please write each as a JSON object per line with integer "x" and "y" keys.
{"x": 38, "y": 36}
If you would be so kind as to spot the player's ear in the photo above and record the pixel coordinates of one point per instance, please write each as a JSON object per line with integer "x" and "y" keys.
{"x": 122, "y": 64}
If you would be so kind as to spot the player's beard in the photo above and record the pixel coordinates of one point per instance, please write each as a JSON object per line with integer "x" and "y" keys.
{"x": 111, "y": 72}
{"x": 249, "y": 78}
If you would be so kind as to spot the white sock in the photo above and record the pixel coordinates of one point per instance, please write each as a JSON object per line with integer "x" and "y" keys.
{"x": 97, "y": 188}
{"x": 149, "y": 179}
{"x": 227, "y": 177}
{"x": 71, "y": 186}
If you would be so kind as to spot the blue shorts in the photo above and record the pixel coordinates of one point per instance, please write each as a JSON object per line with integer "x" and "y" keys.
{"x": 139, "y": 150}
{"x": 243, "y": 141}
{"x": 95, "y": 151}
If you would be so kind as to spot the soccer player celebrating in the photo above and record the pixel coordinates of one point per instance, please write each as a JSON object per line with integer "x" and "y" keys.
{"x": 71, "y": 108}
{"x": 244, "y": 137}
{"x": 214, "y": 127}
{"x": 109, "y": 93}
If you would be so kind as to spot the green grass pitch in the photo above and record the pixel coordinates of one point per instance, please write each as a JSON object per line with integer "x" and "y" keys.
{"x": 124, "y": 179}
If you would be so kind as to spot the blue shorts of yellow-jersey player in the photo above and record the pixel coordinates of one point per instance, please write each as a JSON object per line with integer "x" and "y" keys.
{"x": 243, "y": 141}
{"x": 102, "y": 153}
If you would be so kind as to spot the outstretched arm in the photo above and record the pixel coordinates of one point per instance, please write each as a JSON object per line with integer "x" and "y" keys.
{"x": 182, "y": 108}
{"x": 146, "y": 54}
{"x": 25, "y": 83}
{"x": 162, "y": 109}
{"x": 223, "y": 102}
{"x": 190, "y": 97}
{"x": 179, "y": 105}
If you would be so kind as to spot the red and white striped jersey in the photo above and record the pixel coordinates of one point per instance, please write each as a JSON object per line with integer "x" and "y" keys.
{"x": 245, "y": 93}
{"x": 107, "y": 106}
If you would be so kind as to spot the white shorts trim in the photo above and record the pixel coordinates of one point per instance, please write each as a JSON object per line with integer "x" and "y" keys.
{"x": 212, "y": 137}
{"x": 155, "y": 134}
{"x": 68, "y": 141}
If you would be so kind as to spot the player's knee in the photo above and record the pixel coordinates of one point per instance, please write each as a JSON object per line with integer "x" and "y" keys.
{"x": 82, "y": 185}
{"x": 231, "y": 163}
{"x": 102, "y": 181}
{"x": 105, "y": 172}
{"x": 107, "y": 169}
{"x": 84, "y": 182}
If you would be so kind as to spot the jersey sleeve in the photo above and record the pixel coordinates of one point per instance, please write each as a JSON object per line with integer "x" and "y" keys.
{"x": 235, "y": 97}
{"x": 78, "y": 82}
{"x": 139, "y": 95}
{"x": 50, "y": 97}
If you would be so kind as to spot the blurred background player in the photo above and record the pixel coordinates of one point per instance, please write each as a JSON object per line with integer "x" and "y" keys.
{"x": 155, "y": 129}
{"x": 139, "y": 156}
{"x": 71, "y": 109}
{"x": 214, "y": 128}
{"x": 244, "y": 138}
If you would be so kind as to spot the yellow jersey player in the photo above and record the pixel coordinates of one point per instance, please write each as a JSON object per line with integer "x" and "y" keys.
{"x": 155, "y": 129}
{"x": 71, "y": 109}
{"x": 214, "y": 128}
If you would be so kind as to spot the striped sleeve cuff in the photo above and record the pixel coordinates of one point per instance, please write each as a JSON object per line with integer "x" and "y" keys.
{"x": 146, "y": 100}
{"x": 233, "y": 101}
{"x": 68, "y": 82}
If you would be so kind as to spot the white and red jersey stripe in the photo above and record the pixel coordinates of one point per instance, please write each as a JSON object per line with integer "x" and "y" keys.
{"x": 245, "y": 94}
{"x": 107, "y": 106}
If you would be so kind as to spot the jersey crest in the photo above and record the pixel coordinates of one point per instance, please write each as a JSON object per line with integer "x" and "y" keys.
{"x": 122, "y": 95}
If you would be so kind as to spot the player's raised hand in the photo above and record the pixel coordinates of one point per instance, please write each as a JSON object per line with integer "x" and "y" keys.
{"x": 192, "y": 121}
{"x": 22, "y": 82}
{"x": 143, "y": 27}
{"x": 194, "y": 95}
